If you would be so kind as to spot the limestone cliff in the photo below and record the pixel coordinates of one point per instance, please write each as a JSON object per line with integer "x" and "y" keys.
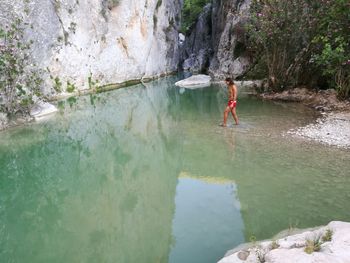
{"x": 222, "y": 24}
{"x": 111, "y": 41}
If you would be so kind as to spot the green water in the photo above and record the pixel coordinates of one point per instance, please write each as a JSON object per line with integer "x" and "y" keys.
{"x": 145, "y": 174}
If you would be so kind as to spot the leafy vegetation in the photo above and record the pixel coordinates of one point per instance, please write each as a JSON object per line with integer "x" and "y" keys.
{"x": 20, "y": 81}
{"x": 312, "y": 246}
{"x": 70, "y": 87}
{"x": 301, "y": 42}
{"x": 327, "y": 236}
{"x": 57, "y": 84}
{"x": 190, "y": 12}
{"x": 315, "y": 245}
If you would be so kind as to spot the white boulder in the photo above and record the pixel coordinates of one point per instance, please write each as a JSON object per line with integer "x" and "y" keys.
{"x": 194, "y": 82}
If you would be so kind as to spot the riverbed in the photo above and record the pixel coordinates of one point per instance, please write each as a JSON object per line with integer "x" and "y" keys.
{"x": 145, "y": 174}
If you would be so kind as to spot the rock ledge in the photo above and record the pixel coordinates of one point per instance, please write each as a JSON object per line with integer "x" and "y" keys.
{"x": 327, "y": 244}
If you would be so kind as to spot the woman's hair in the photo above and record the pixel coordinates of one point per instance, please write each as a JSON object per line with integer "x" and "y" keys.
{"x": 229, "y": 80}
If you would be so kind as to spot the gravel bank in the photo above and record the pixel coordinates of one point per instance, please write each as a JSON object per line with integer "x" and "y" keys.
{"x": 323, "y": 100}
{"x": 332, "y": 129}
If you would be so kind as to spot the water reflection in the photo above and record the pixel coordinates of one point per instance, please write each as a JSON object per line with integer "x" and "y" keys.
{"x": 207, "y": 219}
{"x": 144, "y": 174}
{"x": 97, "y": 184}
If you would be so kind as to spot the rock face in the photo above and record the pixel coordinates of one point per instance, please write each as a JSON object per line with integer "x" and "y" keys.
{"x": 106, "y": 40}
{"x": 216, "y": 43}
{"x": 196, "y": 51}
{"x": 323, "y": 245}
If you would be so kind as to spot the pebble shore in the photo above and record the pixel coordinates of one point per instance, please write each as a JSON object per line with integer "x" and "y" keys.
{"x": 332, "y": 129}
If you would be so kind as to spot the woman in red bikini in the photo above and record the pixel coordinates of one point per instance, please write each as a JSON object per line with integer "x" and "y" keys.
{"x": 232, "y": 101}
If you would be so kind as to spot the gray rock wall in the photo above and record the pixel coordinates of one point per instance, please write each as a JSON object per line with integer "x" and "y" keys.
{"x": 222, "y": 38}
{"x": 197, "y": 49}
{"x": 108, "y": 40}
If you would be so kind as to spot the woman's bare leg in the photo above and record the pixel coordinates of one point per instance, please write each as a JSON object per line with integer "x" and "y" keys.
{"x": 234, "y": 115}
{"x": 227, "y": 110}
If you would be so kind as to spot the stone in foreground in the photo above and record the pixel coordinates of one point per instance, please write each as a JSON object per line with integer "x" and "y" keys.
{"x": 328, "y": 244}
{"x": 194, "y": 82}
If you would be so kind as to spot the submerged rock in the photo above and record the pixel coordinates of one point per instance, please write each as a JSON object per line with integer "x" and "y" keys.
{"x": 326, "y": 244}
{"x": 196, "y": 81}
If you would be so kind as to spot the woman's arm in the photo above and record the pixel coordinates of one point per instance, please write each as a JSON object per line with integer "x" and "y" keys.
{"x": 234, "y": 92}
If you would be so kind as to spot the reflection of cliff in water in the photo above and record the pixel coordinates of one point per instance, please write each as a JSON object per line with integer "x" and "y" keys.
{"x": 96, "y": 185}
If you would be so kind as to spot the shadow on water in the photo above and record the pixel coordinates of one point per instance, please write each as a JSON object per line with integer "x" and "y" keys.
{"x": 145, "y": 174}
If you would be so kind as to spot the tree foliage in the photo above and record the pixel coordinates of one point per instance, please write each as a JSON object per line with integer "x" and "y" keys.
{"x": 302, "y": 41}
{"x": 19, "y": 80}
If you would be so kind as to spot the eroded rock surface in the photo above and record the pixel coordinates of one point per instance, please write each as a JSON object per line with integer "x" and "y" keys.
{"x": 216, "y": 43}
{"x": 107, "y": 41}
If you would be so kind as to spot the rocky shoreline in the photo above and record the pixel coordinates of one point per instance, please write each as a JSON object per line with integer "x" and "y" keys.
{"x": 332, "y": 127}
{"x": 325, "y": 244}
{"x": 322, "y": 100}
{"x": 43, "y": 108}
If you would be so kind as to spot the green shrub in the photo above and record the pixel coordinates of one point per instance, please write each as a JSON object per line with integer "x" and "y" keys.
{"x": 70, "y": 87}
{"x": 57, "y": 85}
{"x": 327, "y": 236}
{"x": 312, "y": 246}
{"x": 300, "y": 42}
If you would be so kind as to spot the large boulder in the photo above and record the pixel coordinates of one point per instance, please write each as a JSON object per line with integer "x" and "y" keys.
{"x": 193, "y": 82}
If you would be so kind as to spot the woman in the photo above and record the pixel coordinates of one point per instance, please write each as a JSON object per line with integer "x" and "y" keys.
{"x": 232, "y": 101}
